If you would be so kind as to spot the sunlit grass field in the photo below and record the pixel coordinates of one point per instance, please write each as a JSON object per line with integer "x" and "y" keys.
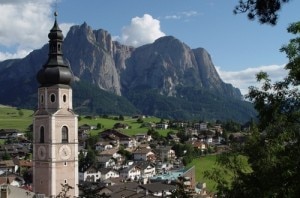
{"x": 203, "y": 164}
{"x": 13, "y": 118}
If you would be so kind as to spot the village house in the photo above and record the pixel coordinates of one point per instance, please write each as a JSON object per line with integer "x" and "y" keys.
{"x": 10, "y": 133}
{"x": 165, "y": 153}
{"x": 113, "y": 153}
{"x": 125, "y": 140}
{"x": 90, "y": 174}
{"x": 200, "y": 126}
{"x": 119, "y": 190}
{"x": 143, "y": 154}
{"x": 187, "y": 174}
{"x": 179, "y": 124}
{"x": 157, "y": 189}
{"x": 11, "y": 179}
{"x": 162, "y": 125}
{"x": 161, "y": 167}
{"x": 14, "y": 150}
{"x": 105, "y": 162}
{"x": 8, "y": 166}
{"x": 86, "y": 127}
{"x": 120, "y": 126}
{"x": 191, "y": 131}
{"x": 132, "y": 172}
{"x": 107, "y": 173}
{"x": 22, "y": 165}
{"x": 174, "y": 138}
{"x": 147, "y": 169}
{"x": 109, "y": 158}
{"x": 209, "y": 139}
{"x": 10, "y": 191}
{"x": 143, "y": 137}
{"x": 198, "y": 145}
{"x": 103, "y": 146}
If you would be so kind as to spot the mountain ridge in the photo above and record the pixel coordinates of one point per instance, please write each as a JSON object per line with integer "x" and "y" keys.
{"x": 163, "y": 70}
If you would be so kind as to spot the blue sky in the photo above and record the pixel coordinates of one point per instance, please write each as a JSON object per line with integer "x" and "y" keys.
{"x": 239, "y": 47}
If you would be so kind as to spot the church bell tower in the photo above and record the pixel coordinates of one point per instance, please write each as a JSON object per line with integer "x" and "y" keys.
{"x": 55, "y": 125}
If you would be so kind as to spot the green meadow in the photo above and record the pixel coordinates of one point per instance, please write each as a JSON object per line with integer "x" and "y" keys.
{"x": 13, "y": 118}
{"x": 202, "y": 164}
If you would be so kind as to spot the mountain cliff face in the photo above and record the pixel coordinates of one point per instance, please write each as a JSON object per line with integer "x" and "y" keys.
{"x": 168, "y": 64}
{"x": 154, "y": 78}
{"x": 95, "y": 57}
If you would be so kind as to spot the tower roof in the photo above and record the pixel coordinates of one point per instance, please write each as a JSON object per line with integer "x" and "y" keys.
{"x": 55, "y": 71}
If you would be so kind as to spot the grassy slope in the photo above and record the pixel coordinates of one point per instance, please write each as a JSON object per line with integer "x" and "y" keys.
{"x": 10, "y": 118}
{"x": 135, "y": 127}
{"x": 203, "y": 164}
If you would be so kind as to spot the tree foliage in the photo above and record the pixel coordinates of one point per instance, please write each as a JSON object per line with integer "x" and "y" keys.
{"x": 273, "y": 148}
{"x": 265, "y": 10}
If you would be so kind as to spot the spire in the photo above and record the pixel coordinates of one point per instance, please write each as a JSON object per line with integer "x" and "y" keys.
{"x": 55, "y": 71}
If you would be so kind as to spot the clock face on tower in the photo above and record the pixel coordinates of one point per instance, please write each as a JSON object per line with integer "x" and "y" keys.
{"x": 41, "y": 152}
{"x": 65, "y": 152}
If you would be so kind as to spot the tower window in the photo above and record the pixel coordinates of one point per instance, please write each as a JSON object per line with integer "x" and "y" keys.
{"x": 42, "y": 98}
{"x": 42, "y": 134}
{"x": 53, "y": 48}
{"x": 64, "y": 98}
{"x": 64, "y": 134}
{"x": 52, "y": 98}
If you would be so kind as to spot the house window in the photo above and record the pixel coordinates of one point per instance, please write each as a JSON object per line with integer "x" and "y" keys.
{"x": 64, "y": 134}
{"x": 42, "y": 134}
{"x": 65, "y": 164}
{"x": 65, "y": 181}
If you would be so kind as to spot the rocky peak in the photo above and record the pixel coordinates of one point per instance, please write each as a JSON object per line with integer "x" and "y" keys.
{"x": 90, "y": 54}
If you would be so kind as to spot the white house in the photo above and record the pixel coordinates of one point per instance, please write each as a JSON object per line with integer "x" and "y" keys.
{"x": 143, "y": 154}
{"x": 165, "y": 153}
{"x": 102, "y": 146}
{"x": 107, "y": 173}
{"x": 143, "y": 137}
{"x": 162, "y": 126}
{"x": 147, "y": 169}
{"x": 91, "y": 174}
{"x": 132, "y": 172}
{"x": 201, "y": 126}
{"x": 106, "y": 162}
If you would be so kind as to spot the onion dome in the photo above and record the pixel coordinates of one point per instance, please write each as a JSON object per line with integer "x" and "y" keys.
{"x": 55, "y": 71}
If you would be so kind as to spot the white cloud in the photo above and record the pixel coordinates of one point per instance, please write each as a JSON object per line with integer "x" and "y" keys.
{"x": 24, "y": 26}
{"x": 190, "y": 13}
{"x": 173, "y": 17}
{"x": 183, "y": 15}
{"x": 245, "y": 78}
{"x": 142, "y": 30}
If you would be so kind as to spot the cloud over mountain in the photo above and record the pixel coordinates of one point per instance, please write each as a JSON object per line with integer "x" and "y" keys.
{"x": 141, "y": 30}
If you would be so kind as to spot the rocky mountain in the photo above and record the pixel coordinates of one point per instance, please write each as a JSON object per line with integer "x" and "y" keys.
{"x": 166, "y": 78}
